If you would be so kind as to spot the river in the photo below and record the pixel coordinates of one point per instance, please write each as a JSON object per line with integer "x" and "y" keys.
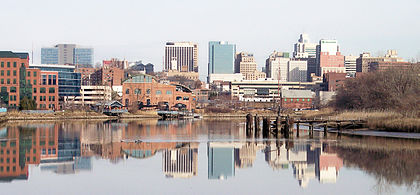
{"x": 197, "y": 157}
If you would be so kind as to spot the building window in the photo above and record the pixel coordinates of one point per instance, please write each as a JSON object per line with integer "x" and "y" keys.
{"x": 2, "y": 73}
{"x": 158, "y": 92}
{"x": 14, "y": 64}
{"x": 291, "y": 100}
{"x": 14, "y": 72}
{"x": 53, "y": 98}
{"x": 137, "y": 91}
{"x": 35, "y": 98}
{"x": 12, "y": 89}
{"x": 297, "y": 99}
{"x": 44, "y": 79}
{"x": 14, "y": 81}
{"x": 308, "y": 100}
{"x": 34, "y": 81}
{"x": 285, "y": 99}
{"x": 42, "y": 90}
{"x": 178, "y": 98}
{"x": 51, "y": 90}
{"x": 29, "y": 73}
{"x": 2, "y": 64}
{"x": 34, "y": 74}
{"x": 34, "y": 90}
{"x": 186, "y": 98}
{"x": 8, "y": 73}
{"x": 127, "y": 91}
{"x": 2, "y": 81}
{"x": 8, "y": 81}
{"x": 148, "y": 91}
{"x": 168, "y": 92}
{"x": 8, "y": 64}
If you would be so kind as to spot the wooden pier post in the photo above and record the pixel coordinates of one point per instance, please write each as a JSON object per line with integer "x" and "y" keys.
{"x": 287, "y": 127}
{"x": 248, "y": 124}
{"x": 338, "y": 129}
{"x": 297, "y": 129}
{"x": 257, "y": 126}
{"x": 266, "y": 127}
{"x": 325, "y": 129}
{"x": 311, "y": 130}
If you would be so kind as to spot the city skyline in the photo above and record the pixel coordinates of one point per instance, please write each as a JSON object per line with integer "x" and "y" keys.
{"x": 125, "y": 41}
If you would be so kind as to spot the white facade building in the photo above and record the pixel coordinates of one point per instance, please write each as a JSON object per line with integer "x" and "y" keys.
{"x": 226, "y": 77}
{"x": 297, "y": 71}
{"x": 90, "y": 95}
{"x": 303, "y": 48}
{"x": 350, "y": 64}
{"x": 184, "y": 53}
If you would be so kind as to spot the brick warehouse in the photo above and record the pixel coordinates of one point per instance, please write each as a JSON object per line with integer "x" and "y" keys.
{"x": 18, "y": 81}
{"x": 292, "y": 99}
{"x": 144, "y": 89}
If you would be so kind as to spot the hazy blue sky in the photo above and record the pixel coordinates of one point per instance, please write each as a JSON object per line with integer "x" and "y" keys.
{"x": 138, "y": 30}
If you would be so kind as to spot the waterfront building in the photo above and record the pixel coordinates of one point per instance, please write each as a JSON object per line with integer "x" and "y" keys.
{"x": 266, "y": 90}
{"x": 292, "y": 99}
{"x": 181, "y": 56}
{"x": 350, "y": 64}
{"x": 304, "y": 48}
{"x": 19, "y": 80}
{"x": 67, "y": 54}
{"x": 69, "y": 81}
{"x": 145, "y": 90}
{"x": 87, "y": 75}
{"x": 362, "y": 63}
{"x": 91, "y": 95}
{"x": 245, "y": 63}
{"x": 329, "y": 58}
{"x": 221, "y": 57}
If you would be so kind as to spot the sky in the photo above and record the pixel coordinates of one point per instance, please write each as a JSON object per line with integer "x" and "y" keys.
{"x": 138, "y": 29}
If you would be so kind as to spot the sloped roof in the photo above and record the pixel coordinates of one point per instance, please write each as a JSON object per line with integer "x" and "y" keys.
{"x": 296, "y": 93}
{"x": 109, "y": 103}
{"x": 9, "y": 54}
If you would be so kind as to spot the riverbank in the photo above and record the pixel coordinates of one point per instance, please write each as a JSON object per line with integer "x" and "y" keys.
{"x": 377, "y": 120}
{"x": 71, "y": 115}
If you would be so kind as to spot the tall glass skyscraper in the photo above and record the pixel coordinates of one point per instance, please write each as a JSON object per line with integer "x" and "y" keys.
{"x": 67, "y": 54}
{"x": 221, "y": 57}
{"x": 49, "y": 55}
{"x": 83, "y": 56}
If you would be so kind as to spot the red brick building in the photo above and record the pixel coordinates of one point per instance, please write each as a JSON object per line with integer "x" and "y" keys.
{"x": 333, "y": 80}
{"x": 88, "y": 78}
{"x": 144, "y": 89}
{"x": 17, "y": 81}
{"x": 296, "y": 99}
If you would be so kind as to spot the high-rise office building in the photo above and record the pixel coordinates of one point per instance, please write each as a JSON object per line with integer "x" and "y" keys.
{"x": 329, "y": 58}
{"x": 297, "y": 70}
{"x": 69, "y": 54}
{"x": 245, "y": 63}
{"x": 350, "y": 64}
{"x": 276, "y": 66}
{"x": 304, "y": 48}
{"x": 221, "y": 57}
{"x": 181, "y": 56}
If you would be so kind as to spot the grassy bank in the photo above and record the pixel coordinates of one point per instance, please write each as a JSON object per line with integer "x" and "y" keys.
{"x": 378, "y": 120}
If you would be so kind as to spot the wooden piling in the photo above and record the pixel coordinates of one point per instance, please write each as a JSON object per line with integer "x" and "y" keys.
{"x": 266, "y": 127}
{"x": 297, "y": 129}
{"x": 286, "y": 128}
{"x": 311, "y": 130}
{"x": 248, "y": 125}
{"x": 257, "y": 126}
{"x": 338, "y": 129}
{"x": 325, "y": 129}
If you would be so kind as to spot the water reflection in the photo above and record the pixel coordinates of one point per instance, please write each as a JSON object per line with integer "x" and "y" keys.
{"x": 70, "y": 147}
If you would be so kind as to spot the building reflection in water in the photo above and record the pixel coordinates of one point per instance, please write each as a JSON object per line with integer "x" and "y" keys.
{"x": 67, "y": 148}
{"x": 308, "y": 160}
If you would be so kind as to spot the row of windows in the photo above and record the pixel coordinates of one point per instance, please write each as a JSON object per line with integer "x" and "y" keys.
{"x": 12, "y": 98}
{"x": 44, "y": 98}
{"x": 182, "y": 98}
{"x": 8, "y": 73}
{"x": 8, "y": 151}
{"x": 8, "y": 64}
{"x": 137, "y": 91}
{"x": 8, "y": 81}
{"x": 285, "y": 99}
{"x": 8, "y": 160}
{"x": 44, "y": 151}
{"x": 7, "y": 169}
{"x": 43, "y": 90}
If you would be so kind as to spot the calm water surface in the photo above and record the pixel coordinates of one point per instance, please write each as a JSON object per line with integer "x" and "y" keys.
{"x": 197, "y": 157}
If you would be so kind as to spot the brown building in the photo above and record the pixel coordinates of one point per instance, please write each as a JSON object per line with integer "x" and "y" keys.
{"x": 145, "y": 90}
{"x": 362, "y": 63}
{"x": 292, "y": 99}
{"x": 87, "y": 76}
{"x": 381, "y": 66}
{"x": 18, "y": 81}
{"x": 334, "y": 80}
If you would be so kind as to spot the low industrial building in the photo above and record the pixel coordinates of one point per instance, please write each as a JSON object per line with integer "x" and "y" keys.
{"x": 91, "y": 95}
{"x": 296, "y": 99}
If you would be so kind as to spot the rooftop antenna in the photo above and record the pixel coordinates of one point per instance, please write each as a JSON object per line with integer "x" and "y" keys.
{"x": 32, "y": 57}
